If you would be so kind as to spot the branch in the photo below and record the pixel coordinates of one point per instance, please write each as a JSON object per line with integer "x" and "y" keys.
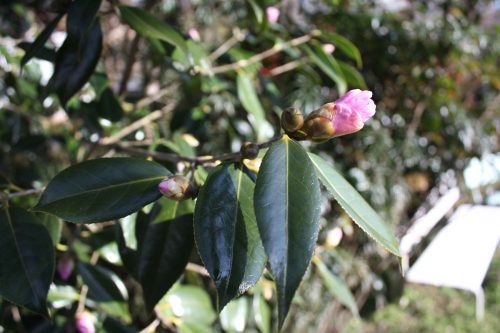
{"x": 136, "y": 125}
{"x": 261, "y": 56}
{"x": 199, "y": 160}
{"x": 238, "y": 36}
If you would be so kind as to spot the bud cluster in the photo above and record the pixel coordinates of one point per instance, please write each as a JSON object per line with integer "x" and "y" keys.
{"x": 346, "y": 115}
{"x": 177, "y": 188}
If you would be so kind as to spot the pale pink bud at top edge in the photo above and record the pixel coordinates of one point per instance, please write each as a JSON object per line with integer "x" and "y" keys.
{"x": 352, "y": 111}
{"x": 65, "y": 267}
{"x": 194, "y": 34}
{"x": 85, "y": 322}
{"x": 272, "y": 14}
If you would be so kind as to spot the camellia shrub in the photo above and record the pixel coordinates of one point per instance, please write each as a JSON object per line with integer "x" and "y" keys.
{"x": 163, "y": 173}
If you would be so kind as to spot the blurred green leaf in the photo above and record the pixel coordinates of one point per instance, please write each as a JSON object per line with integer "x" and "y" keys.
{"x": 250, "y": 101}
{"x": 53, "y": 225}
{"x": 329, "y": 66}
{"x": 102, "y": 189}
{"x": 234, "y": 316}
{"x": 226, "y": 232}
{"x": 287, "y": 207}
{"x": 344, "y": 45}
{"x": 62, "y": 296}
{"x": 262, "y": 312}
{"x": 257, "y": 11}
{"x": 104, "y": 285}
{"x": 187, "y": 305}
{"x": 37, "y": 47}
{"x": 75, "y": 62}
{"x": 149, "y": 25}
{"x": 336, "y": 286}
{"x": 352, "y": 76}
{"x": 354, "y": 204}
{"x": 26, "y": 260}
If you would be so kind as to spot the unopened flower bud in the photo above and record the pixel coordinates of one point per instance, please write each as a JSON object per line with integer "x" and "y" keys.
{"x": 65, "y": 267}
{"x": 291, "y": 120}
{"x": 85, "y": 322}
{"x": 347, "y": 115}
{"x": 177, "y": 188}
{"x": 249, "y": 150}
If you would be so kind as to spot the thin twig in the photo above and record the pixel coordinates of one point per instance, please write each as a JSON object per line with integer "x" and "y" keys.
{"x": 197, "y": 269}
{"x": 136, "y": 125}
{"x": 25, "y": 193}
{"x": 85, "y": 289}
{"x": 238, "y": 36}
{"x": 199, "y": 160}
{"x": 261, "y": 56}
{"x": 289, "y": 66}
{"x": 134, "y": 47}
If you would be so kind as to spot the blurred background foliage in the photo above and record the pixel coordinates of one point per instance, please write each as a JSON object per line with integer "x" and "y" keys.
{"x": 433, "y": 67}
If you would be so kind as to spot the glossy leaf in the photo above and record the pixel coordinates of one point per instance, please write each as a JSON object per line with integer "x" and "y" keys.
{"x": 352, "y": 76}
{"x": 344, "y": 45}
{"x": 354, "y": 204}
{"x": 226, "y": 232}
{"x": 26, "y": 260}
{"x": 257, "y": 11}
{"x": 35, "y": 48}
{"x": 102, "y": 189}
{"x": 329, "y": 66}
{"x": 250, "y": 101}
{"x": 336, "y": 286}
{"x": 287, "y": 207}
{"x": 150, "y": 26}
{"x": 164, "y": 254}
{"x": 75, "y": 62}
{"x": 104, "y": 285}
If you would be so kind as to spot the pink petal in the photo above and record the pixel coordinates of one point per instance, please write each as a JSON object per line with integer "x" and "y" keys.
{"x": 346, "y": 121}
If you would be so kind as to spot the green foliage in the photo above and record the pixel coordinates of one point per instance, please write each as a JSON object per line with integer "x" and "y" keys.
{"x": 187, "y": 88}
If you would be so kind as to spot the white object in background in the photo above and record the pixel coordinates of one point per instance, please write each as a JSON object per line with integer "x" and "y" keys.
{"x": 460, "y": 254}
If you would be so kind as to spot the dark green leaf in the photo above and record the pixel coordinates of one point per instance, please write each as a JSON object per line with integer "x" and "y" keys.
{"x": 336, "y": 287}
{"x": 164, "y": 254}
{"x": 150, "y": 26}
{"x": 287, "y": 207}
{"x": 329, "y": 66}
{"x": 104, "y": 285}
{"x": 352, "y": 76}
{"x": 354, "y": 204}
{"x": 102, "y": 189}
{"x": 226, "y": 232}
{"x": 109, "y": 107}
{"x": 35, "y": 48}
{"x": 75, "y": 62}
{"x": 26, "y": 260}
{"x": 257, "y": 11}
{"x": 81, "y": 16}
{"x": 344, "y": 45}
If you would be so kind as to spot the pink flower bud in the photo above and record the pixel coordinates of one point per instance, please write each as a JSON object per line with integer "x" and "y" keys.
{"x": 177, "y": 188}
{"x": 65, "y": 267}
{"x": 347, "y": 115}
{"x": 85, "y": 322}
{"x": 272, "y": 14}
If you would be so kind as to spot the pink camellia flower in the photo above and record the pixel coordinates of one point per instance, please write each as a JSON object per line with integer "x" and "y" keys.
{"x": 352, "y": 111}
{"x": 85, "y": 322}
{"x": 272, "y": 14}
{"x": 346, "y": 115}
{"x": 65, "y": 267}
